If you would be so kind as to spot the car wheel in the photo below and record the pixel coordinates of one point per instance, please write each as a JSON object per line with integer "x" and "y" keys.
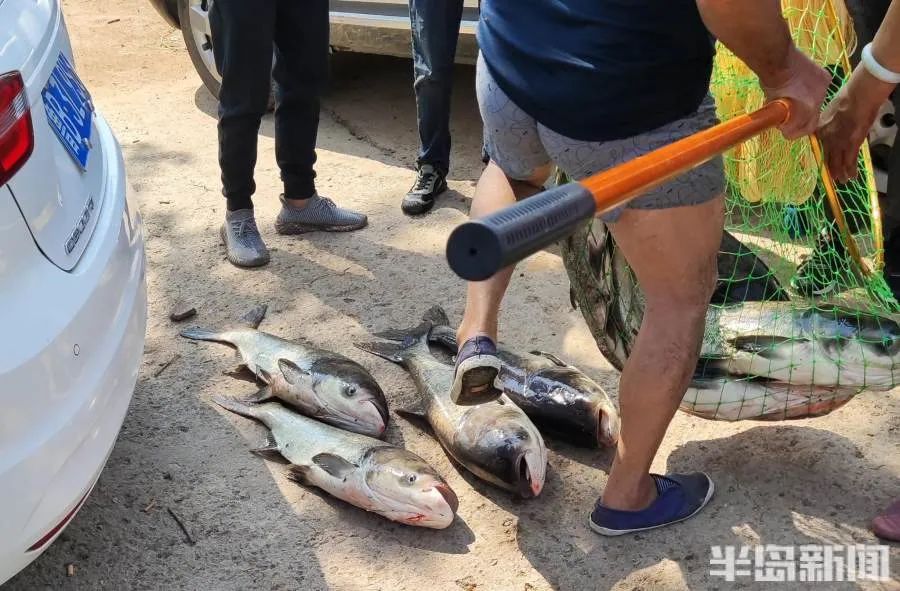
{"x": 194, "y": 18}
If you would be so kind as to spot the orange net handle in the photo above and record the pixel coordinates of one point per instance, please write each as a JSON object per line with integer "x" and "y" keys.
{"x": 617, "y": 185}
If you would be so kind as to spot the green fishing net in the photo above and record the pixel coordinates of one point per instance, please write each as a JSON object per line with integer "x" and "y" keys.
{"x": 800, "y": 321}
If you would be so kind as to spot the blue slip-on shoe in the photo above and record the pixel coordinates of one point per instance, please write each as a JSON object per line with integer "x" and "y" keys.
{"x": 679, "y": 497}
{"x": 477, "y": 366}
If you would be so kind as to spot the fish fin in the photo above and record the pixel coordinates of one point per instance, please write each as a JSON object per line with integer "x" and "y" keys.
{"x": 392, "y": 351}
{"x": 240, "y": 372}
{"x": 550, "y": 357}
{"x": 197, "y": 333}
{"x": 436, "y": 316}
{"x": 254, "y": 317}
{"x": 236, "y": 406}
{"x": 293, "y": 373}
{"x": 299, "y": 474}
{"x": 334, "y": 465}
{"x": 270, "y": 450}
{"x": 572, "y": 299}
{"x": 262, "y": 395}
{"x": 762, "y": 345}
{"x": 265, "y": 376}
{"x": 416, "y": 419}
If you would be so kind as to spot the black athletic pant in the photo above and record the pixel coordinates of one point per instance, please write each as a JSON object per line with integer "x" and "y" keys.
{"x": 244, "y": 33}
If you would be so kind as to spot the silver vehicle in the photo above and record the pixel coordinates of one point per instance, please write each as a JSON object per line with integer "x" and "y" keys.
{"x": 373, "y": 26}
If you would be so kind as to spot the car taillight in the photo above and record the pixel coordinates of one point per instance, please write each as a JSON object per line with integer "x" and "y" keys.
{"x": 16, "y": 131}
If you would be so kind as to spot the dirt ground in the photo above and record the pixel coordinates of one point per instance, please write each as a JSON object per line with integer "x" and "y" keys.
{"x": 805, "y": 482}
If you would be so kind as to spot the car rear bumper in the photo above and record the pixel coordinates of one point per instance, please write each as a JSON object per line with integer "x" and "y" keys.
{"x": 66, "y": 382}
{"x": 390, "y": 35}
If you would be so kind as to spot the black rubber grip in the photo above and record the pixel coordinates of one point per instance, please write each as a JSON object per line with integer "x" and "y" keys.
{"x": 477, "y": 249}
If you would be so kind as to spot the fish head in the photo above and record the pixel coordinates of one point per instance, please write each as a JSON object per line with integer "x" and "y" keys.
{"x": 350, "y": 396}
{"x": 499, "y": 443}
{"x": 405, "y": 488}
{"x": 568, "y": 397}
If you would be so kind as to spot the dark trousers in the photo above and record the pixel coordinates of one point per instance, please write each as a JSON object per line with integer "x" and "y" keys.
{"x": 435, "y": 33}
{"x": 244, "y": 33}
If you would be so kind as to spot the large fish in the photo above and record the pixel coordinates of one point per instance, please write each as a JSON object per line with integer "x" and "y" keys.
{"x": 822, "y": 346}
{"x": 495, "y": 441}
{"x": 321, "y": 384}
{"x": 558, "y": 397}
{"x": 723, "y": 397}
{"x": 363, "y": 471}
{"x": 763, "y": 357}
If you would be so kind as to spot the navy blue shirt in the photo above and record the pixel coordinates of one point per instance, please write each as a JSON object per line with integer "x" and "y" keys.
{"x": 598, "y": 70}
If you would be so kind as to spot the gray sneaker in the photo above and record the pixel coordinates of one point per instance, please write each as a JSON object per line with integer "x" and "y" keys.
{"x": 321, "y": 214}
{"x": 243, "y": 243}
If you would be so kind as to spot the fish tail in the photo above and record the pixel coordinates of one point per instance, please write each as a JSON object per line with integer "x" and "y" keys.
{"x": 254, "y": 317}
{"x": 403, "y": 342}
{"x": 197, "y": 333}
{"x": 236, "y": 405}
{"x": 436, "y": 316}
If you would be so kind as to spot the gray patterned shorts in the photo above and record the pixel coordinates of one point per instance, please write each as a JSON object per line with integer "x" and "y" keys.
{"x": 519, "y": 145}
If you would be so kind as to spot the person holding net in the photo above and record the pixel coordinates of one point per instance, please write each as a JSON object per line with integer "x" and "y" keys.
{"x": 586, "y": 85}
{"x": 843, "y": 129}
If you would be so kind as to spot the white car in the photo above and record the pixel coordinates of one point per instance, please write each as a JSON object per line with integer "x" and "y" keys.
{"x": 72, "y": 289}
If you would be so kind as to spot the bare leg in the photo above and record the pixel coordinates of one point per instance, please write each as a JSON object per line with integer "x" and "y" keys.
{"x": 494, "y": 191}
{"x": 673, "y": 254}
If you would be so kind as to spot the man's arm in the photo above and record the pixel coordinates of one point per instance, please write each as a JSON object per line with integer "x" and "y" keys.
{"x": 849, "y": 117}
{"x": 757, "y": 33}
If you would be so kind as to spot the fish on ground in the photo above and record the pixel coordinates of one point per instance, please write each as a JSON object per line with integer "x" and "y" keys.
{"x": 559, "y": 398}
{"x": 365, "y": 472}
{"x": 320, "y": 384}
{"x": 495, "y": 441}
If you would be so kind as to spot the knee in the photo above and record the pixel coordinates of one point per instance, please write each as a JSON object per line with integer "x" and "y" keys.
{"x": 688, "y": 297}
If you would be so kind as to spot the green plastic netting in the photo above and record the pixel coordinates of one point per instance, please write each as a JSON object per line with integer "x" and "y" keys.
{"x": 801, "y": 318}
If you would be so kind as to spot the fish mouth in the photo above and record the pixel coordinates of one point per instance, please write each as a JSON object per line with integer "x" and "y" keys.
{"x": 607, "y": 429}
{"x": 449, "y": 495}
{"x": 373, "y": 414}
{"x": 531, "y": 481}
{"x": 382, "y": 410}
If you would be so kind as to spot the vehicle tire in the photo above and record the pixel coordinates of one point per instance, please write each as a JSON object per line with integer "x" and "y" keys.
{"x": 194, "y": 18}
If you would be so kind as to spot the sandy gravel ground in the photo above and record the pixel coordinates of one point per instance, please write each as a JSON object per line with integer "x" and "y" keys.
{"x": 806, "y": 482}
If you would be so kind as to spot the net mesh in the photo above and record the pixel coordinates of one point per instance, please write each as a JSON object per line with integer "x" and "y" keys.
{"x": 801, "y": 318}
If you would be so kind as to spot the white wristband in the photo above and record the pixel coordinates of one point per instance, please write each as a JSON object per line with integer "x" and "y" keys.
{"x": 876, "y": 69}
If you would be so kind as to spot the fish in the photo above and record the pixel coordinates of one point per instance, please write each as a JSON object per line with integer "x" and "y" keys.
{"x": 819, "y": 346}
{"x": 366, "y": 472}
{"x": 320, "y": 384}
{"x": 495, "y": 441}
{"x": 724, "y": 397}
{"x": 560, "y": 399}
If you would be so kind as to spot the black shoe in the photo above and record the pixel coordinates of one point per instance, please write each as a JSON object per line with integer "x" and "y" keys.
{"x": 826, "y": 270}
{"x": 430, "y": 182}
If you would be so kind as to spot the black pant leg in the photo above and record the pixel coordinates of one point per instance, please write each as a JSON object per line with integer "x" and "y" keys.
{"x": 301, "y": 71}
{"x": 242, "y": 34}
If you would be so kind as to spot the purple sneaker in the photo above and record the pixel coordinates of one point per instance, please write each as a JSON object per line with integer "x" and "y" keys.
{"x": 477, "y": 366}
{"x": 679, "y": 497}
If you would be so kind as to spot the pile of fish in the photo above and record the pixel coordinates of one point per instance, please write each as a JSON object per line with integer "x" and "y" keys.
{"x": 326, "y": 413}
{"x": 763, "y": 356}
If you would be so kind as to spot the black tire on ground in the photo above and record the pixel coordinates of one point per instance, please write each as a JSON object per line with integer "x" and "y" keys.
{"x": 209, "y": 78}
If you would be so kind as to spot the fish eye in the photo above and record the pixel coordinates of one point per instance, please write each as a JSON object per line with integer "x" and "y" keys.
{"x": 411, "y": 478}
{"x": 349, "y": 391}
